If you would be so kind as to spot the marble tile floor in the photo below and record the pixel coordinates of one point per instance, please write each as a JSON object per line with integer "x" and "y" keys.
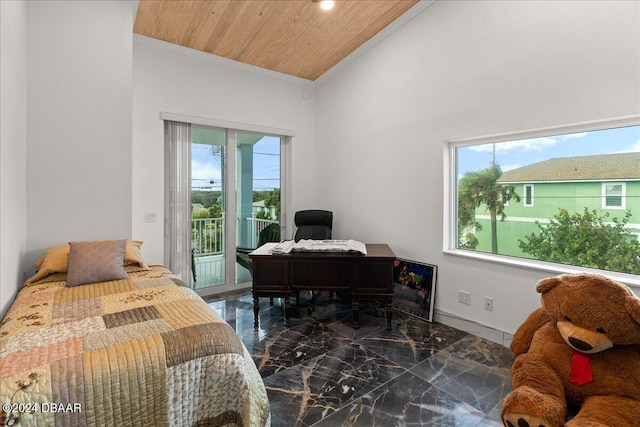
{"x": 321, "y": 372}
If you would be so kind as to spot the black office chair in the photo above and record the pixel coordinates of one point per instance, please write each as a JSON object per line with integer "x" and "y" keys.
{"x": 313, "y": 224}
{"x": 271, "y": 233}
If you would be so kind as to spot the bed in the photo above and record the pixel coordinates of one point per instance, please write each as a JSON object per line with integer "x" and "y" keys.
{"x": 137, "y": 349}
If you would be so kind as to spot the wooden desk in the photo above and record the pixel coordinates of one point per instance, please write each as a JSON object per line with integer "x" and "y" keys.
{"x": 365, "y": 276}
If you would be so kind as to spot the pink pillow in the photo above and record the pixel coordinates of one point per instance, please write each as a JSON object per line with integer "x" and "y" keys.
{"x": 98, "y": 261}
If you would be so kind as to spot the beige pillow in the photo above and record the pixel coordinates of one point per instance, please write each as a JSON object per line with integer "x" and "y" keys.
{"x": 93, "y": 262}
{"x": 133, "y": 257}
{"x": 56, "y": 260}
{"x": 53, "y": 263}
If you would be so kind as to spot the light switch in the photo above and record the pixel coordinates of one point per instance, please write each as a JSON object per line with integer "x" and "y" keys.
{"x": 149, "y": 217}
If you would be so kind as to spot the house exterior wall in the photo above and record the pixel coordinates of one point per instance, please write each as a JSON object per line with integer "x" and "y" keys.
{"x": 548, "y": 197}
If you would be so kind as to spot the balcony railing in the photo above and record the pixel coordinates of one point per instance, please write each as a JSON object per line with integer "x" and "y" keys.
{"x": 256, "y": 225}
{"x": 207, "y": 234}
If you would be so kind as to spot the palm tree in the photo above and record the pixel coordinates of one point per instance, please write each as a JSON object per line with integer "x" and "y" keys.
{"x": 482, "y": 188}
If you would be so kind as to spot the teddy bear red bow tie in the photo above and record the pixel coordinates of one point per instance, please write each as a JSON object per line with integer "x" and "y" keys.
{"x": 581, "y": 372}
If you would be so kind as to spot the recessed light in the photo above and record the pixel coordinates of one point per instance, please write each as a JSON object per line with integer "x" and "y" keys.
{"x": 327, "y": 4}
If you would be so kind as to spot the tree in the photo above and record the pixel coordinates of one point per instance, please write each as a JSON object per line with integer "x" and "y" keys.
{"x": 273, "y": 200}
{"x": 205, "y": 198}
{"x": 586, "y": 240}
{"x": 482, "y": 188}
{"x": 467, "y": 224}
{"x": 215, "y": 211}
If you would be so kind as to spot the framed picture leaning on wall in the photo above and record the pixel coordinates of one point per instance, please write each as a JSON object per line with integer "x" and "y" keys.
{"x": 414, "y": 286}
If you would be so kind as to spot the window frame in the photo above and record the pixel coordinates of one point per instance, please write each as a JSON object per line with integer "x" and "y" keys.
{"x": 524, "y": 195}
{"x": 232, "y": 128}
{"x": 623, "y": 195}
{"x": 450, "y": 235}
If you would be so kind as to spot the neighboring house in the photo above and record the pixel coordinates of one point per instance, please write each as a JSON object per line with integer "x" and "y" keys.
{"x": 259, "y": 206}
{"x": 607, "y": 183}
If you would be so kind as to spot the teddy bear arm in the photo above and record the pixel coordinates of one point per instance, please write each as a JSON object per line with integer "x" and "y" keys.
{"x": 538, "y": 397}
{"x": 524, "y": 334}
{"x": 607, "y": 411}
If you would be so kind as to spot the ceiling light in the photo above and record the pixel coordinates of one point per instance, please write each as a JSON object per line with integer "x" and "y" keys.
{"x": 327, "y": 4}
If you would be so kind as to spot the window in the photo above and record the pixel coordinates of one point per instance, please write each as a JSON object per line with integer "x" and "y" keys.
{"x": 587, "y": 196}
{"x": 613, "y": 195}
{"x": 528, "y": 196}
{"x": 504, "y": 198}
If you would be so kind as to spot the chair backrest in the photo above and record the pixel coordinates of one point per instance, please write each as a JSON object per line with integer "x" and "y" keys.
{"x": 271, "y": 233}
{"x": 313, "y": 224}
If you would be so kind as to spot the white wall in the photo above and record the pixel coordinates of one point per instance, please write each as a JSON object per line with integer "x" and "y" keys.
{"x": 13, "y": 151}
{"x": 170, "y": 78}
{"x": 463, "y": 69}
{"x": 79, "y": 122}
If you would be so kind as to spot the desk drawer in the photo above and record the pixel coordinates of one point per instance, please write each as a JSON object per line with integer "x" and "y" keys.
{"x": 374, "y": 277}
{"x": 320, "y": 274}
{"x": 270, "y": 275}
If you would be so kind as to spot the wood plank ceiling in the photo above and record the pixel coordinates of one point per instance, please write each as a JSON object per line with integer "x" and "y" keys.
{"x": 294, "y": 37}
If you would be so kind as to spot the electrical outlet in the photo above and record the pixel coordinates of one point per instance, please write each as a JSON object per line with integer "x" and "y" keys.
{"x": 488, "y": 304}
{"x": 464, "y": 297}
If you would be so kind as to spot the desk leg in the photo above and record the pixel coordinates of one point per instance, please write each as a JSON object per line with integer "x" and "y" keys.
{"x": 287, "y": 307}
{"x": 356, "y": 312}
{"x": 256, "y": 309}
{"x": 389, "y": 312}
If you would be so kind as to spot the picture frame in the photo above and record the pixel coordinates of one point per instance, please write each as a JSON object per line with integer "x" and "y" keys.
{"x": 414, "y": 288}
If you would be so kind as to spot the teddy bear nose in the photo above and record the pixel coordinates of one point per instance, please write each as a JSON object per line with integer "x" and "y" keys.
{"x": 579, "y": 344}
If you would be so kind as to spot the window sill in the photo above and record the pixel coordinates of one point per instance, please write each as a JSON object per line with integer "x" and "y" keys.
{"x": 630, "y": 280}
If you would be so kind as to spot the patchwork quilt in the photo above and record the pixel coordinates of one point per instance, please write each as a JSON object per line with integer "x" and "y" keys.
{"x": 142, "y": 351}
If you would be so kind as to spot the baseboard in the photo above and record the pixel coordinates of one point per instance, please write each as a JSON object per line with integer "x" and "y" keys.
{"x": 472, "y": 327}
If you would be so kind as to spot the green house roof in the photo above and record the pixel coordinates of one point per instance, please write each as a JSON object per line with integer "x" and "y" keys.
{"x": 623, "y": 166}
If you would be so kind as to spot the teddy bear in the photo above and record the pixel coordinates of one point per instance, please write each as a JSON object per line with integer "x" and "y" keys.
{"x": 580, "y": 350}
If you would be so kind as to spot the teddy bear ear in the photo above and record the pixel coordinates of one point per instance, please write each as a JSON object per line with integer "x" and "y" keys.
{"x": 632, "y": 304}
{"x": 545, "y": 285}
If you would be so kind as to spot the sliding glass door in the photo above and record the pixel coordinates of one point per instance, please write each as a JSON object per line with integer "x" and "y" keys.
{"x": 245, "y": 168}
{"x": 208, "y": 156}
{"x": 258, "y": 194}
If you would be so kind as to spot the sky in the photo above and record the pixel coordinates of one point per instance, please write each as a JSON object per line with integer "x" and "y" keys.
{"x": 515, "y": 154}
{"x": 205, "y": 167}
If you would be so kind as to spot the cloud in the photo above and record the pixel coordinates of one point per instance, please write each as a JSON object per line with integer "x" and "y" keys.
{"x": 573, "y": 135}
{"x": 523, "y": 145}
{"x": 202, "y": 173}
{"x": 511, "y": 167}
{"x": 527, "y": 145}
{"x": 635, "y": 148}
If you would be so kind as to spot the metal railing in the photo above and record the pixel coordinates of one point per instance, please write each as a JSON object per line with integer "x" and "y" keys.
{"x": 207, "y": 234}
{"x": 256, "y": 225}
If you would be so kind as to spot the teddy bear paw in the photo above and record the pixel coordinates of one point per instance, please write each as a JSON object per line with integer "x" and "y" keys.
{"x": 524, "y": 420}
